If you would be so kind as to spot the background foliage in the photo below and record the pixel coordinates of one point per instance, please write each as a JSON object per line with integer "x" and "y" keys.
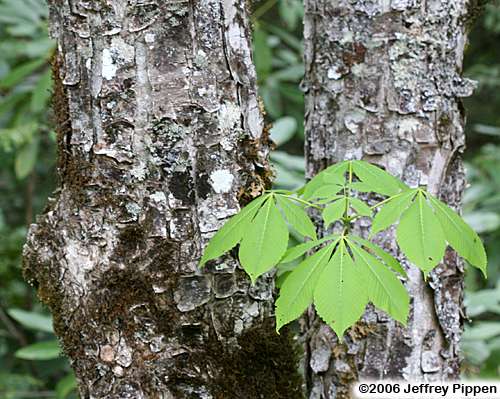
{"x": 30, "y": 364}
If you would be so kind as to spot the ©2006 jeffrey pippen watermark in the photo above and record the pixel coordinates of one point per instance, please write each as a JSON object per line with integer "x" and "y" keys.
{"x": 429, "y": 390}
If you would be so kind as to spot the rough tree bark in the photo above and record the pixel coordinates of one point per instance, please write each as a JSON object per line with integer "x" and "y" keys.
{"x": 160, "y": 140}
{"x": 383, "y": 83}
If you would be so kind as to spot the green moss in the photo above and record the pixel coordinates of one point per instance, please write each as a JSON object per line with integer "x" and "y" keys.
{"x": 262, "y": 365}
{"x": 265, "y": 366}
{"x": 130, "y": 239}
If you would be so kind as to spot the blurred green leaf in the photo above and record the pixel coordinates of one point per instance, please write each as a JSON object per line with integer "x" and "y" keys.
{"x": 483, "y": 221}
{"x": 26, "y": 159}
{"x": 283, "y": 130}
{"x": 45, "y": 350}
{"x": 65, "y": 386}
{"x": 291, "y": 73}
{"x": 482, "y": 330}
{"x": 19, "y": 73}
{"x": 291, "y": 11}
{"x": 482, "y": 301}
{"x": 289, "y": 162}
{"x": 475, "y": 351}
{"x": 12, "y": 382}
{"x": 287, "y": 37}
{"x": 272, "y": 99}
{"x": 262, "y": 53}
{"x": 487, "y": 129}
{"x": 32, "y": 320}
{"x": 41, "y": 93}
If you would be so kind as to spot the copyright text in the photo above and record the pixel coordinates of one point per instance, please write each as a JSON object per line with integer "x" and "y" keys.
{"x": 431, "y": 390}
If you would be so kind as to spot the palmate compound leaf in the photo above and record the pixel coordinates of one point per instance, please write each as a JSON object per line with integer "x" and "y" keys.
{"x": 384, "y": 289}
{"x": 340, "y": 295}
{"x": 378, "y": 179}
{"x": 420, "y": 236}
{"x": 232, "y": 232}
{"x": 391, "y": 211}
{"x": 460, "y": 235}
{"x": 297, "y": 216}
{"x": 331, "y": 176}
{"x": 388, "y": 259}
{"x": 334, "y": 211}
{"x": 296, "y": 292}
{"x": 264, "y": 242}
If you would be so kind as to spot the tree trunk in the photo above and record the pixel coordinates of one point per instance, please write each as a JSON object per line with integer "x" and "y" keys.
{"x": 160, "y": 139}
{"x": 383, "y": 83}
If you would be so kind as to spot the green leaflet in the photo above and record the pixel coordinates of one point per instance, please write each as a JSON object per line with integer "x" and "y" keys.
{"x": 328, "y": 200}
{"x": 460, "y": 235}
{"x": 377, "y": 179}
{"x": 340, "y": 295}
{"x": 326, "y": 191}
{"x": 334, "y": 211}
{"x": 296, "y": 252}
{"x": 296, "y": 292}
{"x": 388, "y": 259}
{"x": 360, "y": 207}
{"x": 232, "y": 232}
{"x": 420, "y": 235}
{"x": 334, "y": 175}
{"x": 264, "y": 242}
{"x": 383, "y": 287}
{"x": 391, "y": 211}
{"x": 360, "y": 187}
{"x": 297, "y": 217}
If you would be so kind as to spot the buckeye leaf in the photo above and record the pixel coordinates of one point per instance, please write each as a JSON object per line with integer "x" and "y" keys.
{"x": 296, "y": 292}
{"x": 232, "y": 232}
{"x": 340, "y": 295}
{"x": 391, "y": 211}
{"x": 378, "y": 179}
{"x": 388, "y": 259}
{"x": 297, "y": 217}
{"x": 334, "y": 211}
{"x": 360, "y": 207}
{"x": 460, "y": 235}
{"x": 420, "y": 236}
{"x": 264, "y": 242}
{"x": 383, "y": 287}
{"x": 299, "y": 250}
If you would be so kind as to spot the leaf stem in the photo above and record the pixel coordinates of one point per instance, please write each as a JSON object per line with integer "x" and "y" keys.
{"x": 347, "y": 194}
{"x": 385, "y": 201}
{"x": 302, "y": 201}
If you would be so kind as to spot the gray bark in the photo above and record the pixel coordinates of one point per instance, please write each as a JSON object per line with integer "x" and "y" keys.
{"x": 383, "y": 83}
{"x": 161, "y": 139}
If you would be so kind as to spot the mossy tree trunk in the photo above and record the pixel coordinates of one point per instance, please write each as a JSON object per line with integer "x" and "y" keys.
{"x": 160, "y": 139}
{"x": 383, "y": 83}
